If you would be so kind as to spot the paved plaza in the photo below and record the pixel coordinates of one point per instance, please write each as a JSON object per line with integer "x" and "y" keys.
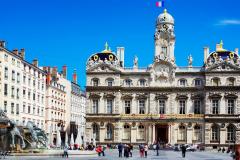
{"x": 164, "y": 155}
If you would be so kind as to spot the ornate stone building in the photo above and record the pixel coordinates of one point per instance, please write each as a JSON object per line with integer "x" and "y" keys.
{"x": 163, "y": 102}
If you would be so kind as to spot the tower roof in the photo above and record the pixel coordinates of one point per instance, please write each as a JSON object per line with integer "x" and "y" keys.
{"x": 165, "y": 17}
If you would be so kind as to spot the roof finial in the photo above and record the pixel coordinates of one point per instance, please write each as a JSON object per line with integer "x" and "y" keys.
{"x": 165, "y": 11}
{"x": 106, "y": 46}
{"x": 221, "y": 44}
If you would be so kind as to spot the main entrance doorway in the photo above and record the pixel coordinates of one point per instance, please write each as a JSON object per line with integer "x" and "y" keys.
{"x": 162, "y": 133}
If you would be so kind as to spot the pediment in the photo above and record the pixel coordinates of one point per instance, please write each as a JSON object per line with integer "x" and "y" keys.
{"x": 103, "y": 68}
{"x": 224, "y": 66}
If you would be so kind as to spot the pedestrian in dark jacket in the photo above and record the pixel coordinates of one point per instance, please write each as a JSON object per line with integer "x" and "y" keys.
{"x": 183, "y": 151}
{"x": 157, "y": 148}
{"x": 120, "y": 148}
{"x": 223, "y": 150}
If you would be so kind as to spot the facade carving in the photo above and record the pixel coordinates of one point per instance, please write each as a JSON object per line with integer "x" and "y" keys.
{"x": 163, "y": 102}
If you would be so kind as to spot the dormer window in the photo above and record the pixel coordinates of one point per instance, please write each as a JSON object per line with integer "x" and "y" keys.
{"x": 197, "y": 82}
{"x": 230, "y": 81}
{"x": 183, "y": 82}
{"x": 164, "y": 50}
{"x": 128, "y": 82}
{"x": 95, "y": 82}
{"x": 215, "y": 81}
{"x": 142, "y": 82}
{"x": 109, "y": 82}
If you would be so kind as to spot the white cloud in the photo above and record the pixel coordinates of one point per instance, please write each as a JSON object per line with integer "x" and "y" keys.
{"x": 228, "y": 22}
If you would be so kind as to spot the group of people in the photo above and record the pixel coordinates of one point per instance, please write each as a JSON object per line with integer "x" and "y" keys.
{"x": 126, "y": 150}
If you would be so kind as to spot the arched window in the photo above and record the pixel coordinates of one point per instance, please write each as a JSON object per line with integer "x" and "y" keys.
{"x": 215, "y": 133}
{"x": 182, "y": 82}
{"x": 231, "y": 81}
{"x": 109, "y": 82}
{"x": 95, "y": 82}
{"x": 95, "y": 129}
{"x": 197, "y": 133}
{"x": 141, "y": 132}
{"x": 231, "y": 133}
{"x": 182, "y": 133}
{"x": 126, "y": 132}
{"x": 216, "y": 81}
{"x": 128, "y": 82}
{"x": 109, "y": 131}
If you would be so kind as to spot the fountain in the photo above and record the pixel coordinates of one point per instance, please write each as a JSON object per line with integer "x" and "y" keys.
{"x": 17, "y": 138}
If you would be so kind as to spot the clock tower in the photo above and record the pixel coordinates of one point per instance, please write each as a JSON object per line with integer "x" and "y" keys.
{"x": 165, "y": 38}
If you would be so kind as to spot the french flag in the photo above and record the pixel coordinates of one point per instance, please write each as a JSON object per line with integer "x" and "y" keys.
{"x": 160, "y": 4}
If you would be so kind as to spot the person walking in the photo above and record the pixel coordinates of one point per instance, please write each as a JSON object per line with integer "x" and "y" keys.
{"x": 223, "y": 150}
{"x": 157, "y": 148}
{"x": 65, "y": 152}
{"x": 99, "y": 150}
{"x": 141, "y": 150}
{"x": 146, "y": 150}
{"x": 103, "y": 150}
{"x": 183, "y": 151}
{"x": 130, "y": 150}
{"x": 120, "y": 148}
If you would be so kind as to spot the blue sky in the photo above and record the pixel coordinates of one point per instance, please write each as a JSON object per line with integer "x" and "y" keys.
{"x": 60, "y": 32}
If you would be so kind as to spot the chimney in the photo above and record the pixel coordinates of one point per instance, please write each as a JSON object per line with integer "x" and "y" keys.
{"x": 206, "y": 53}
{"x": 120, "y": 54}
{"x": 64, "y": 71}
{"x": 15, "y": 51}
{"x": 2, "y": 44}
{"x": 54, "y": 73}
{"x": 236, "y": 51}
{"x": 22, "y": 53}
{"x": 75, "y": 76}
{"x": 35, "y": 62}
{"x": 48, "y": 79}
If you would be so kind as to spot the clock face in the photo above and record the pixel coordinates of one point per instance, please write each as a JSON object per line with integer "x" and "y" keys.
{"x": 162, "y": 68}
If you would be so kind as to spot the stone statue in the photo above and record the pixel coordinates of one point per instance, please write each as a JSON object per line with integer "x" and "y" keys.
{"x": 15, "y": 132}
{"x": 135, "y": 61}
{"x": 190, "y": 60}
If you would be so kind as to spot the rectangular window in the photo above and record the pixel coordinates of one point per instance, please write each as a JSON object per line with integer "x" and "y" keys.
{"x": 197, "y": 82}
{"x": 29, "y": 81}
{"x": 34, "y": 96}
{"x": 24, "y": 93}
{"x": 5, "y": 106}
{"x": 230, "y": 106}
{"x": 18, "y": 77}
{"x": 17, "y": 93}
{"x": 24, "y": 108}
{"x": 24, "y": 79}
{"x": 6, "y": 73}
{"x": 197, "y": 106}
{"x": 127, "y": 107}
{"x": 17, "y": 109}
{"x": 29, "y": 109}
{"x": 141, "y": 106}
{"x": 161, "y": 106}
{"x": 5, "y": 89}
{"x": 109, "y": 106}
{"x": 182, "y": 104}
{"x": 29, "y": 95}
{"x": 215, "y": 106}
{"x": 13, "y": 75}
{"x": 6, "y": 57}
{"x": 12, "y": 108}
{"x": 110, "y": 83}
{"x": 95, "y": 106}
{"x": 142, "y": 82}
{"x": 13, "y": 90}
{"x": 34, "y": 83}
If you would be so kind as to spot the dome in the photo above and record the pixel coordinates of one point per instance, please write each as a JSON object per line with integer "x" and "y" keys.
{"x": 165, "y": 17}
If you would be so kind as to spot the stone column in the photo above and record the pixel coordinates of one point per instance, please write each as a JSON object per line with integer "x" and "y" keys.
{"x": 153, "y": 133}
{"x": 102, "y": 134}
{"x": 237, "y": 136}
{"x": 149, "y": 134}
{"x": 189, "y": 135}
{"x": 133, "y": 134}
{"x": 222, "y": 106}
{"x": 222, "y": 135}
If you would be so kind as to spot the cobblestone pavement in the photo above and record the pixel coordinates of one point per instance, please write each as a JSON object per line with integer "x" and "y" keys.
{"x": 164, "y": 155}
